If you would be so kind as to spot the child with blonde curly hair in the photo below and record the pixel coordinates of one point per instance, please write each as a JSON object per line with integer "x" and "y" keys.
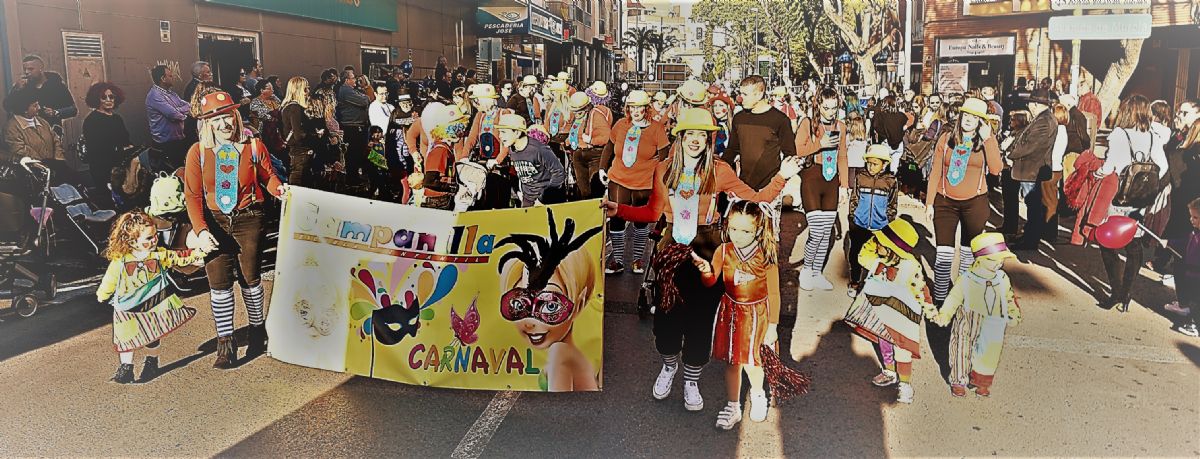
{"x": 136, "y": 285}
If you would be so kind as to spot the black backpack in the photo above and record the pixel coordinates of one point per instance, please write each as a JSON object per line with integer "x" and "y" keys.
{"x": 1139, "y": 183}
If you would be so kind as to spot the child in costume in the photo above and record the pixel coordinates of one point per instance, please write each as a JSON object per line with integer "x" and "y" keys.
{"x": 376, "y": 155}
{"x": 1187, "y": 273}
{"x": 136, "y": 284}
{"x": 893, "y": 300}
{"x": 872, "y": 205}
{"x": 982, "y": 305}
{"x": 748, "y": 315}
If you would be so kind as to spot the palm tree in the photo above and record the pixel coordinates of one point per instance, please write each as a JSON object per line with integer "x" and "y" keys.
{"x": 640, "y": 39}
{"x": 662, "y": 44}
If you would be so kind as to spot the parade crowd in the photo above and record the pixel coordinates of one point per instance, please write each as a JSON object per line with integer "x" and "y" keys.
{"x": 702, "y": 171}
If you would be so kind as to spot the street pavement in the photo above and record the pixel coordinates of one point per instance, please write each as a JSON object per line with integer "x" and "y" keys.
{"x": 1075, "y": 380}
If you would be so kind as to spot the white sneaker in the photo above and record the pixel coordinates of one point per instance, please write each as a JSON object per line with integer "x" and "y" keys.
{"x": 885, "y": 378}
{"x": 820, "y": 282}
{"x": 805, "y": 279}
{"x": 1176, "y": 308}
{"x": 662, "y": 385}
{"x": 758, "y": 406}
{"x": 729, "y": 416}
{"x": 692, "y": 400}
{"x": 906, "y": 393}
{"x": 1168, "y": 280}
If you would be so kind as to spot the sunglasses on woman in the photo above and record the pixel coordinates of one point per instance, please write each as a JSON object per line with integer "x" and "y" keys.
{"x": 550, "y": 308}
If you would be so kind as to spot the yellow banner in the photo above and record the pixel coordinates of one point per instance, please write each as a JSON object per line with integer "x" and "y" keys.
{"x": 505, "y": 299}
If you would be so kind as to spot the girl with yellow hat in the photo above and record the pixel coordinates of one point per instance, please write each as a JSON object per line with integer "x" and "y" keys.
{"x": 982, "y": 305}
{"x": 627, "y": 167}
{"x": 684, "y": 190}
{"x": 893, "y": 300}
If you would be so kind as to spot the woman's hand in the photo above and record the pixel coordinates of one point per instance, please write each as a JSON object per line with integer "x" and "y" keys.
{"x": 985, "y": 130}
{"x": 929, "y": 214}
{"x": 610, "y": 208}
{"x": 772, "y": 334}
{"x": 283, "y": 191}
{"x": 789, "y": 167}
{"x": 701, "y": 264}
{"x": 204, "y": 241}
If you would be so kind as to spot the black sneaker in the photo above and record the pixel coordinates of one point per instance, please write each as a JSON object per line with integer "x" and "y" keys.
{"x": 150, "y": 370}
{"x": 124, "y": 374}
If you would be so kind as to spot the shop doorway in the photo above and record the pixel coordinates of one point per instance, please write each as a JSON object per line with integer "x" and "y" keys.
{"x": 373, "y": 57}
{"x": 227, "y": 52}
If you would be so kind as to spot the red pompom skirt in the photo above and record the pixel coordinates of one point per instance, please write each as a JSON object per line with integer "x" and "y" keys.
{"x": 739, "y": 331}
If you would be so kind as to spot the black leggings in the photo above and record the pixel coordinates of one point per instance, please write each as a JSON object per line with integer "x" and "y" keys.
{"x": 856, "y": 238}
{"x": 688, "y": 326}
{"x": 1122, "y": 274}
{"x": 619, "y": 194}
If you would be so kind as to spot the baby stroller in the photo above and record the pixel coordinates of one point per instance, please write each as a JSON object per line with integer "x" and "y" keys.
{"x": 650, "y": 293}
{"x": 25, "y": 243}
{"x": 91, "y": 223}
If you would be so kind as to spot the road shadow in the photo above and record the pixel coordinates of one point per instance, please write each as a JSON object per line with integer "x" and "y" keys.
{"x": 1191, "y": 351}
{"x": 842, "y": 415}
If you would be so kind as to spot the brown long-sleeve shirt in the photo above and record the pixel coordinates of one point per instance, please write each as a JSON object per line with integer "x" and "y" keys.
{"x": 762, "y": 140}
{"x": 808, "y": 143}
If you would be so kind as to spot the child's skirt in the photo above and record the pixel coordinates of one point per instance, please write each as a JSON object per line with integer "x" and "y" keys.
{"x": 148, "y": 322}
{"x": 739, "y": 331}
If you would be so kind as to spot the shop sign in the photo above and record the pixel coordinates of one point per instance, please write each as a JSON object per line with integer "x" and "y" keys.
{"x": 543, "y": 23}
{"x": 990, "y": 46}
{"x": 1101, "y": 27}
{"x": 1059, "y": 5}
{"x": 502, "y": 20}
{"x": 373, "y": 14}
{"x": 952, "y": 78}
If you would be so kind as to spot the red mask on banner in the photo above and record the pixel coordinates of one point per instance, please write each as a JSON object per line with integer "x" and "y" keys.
{"x": 551, "y": 308}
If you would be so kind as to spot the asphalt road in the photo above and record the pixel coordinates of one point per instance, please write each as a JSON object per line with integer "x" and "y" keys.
{"x": 1075, "y": 380}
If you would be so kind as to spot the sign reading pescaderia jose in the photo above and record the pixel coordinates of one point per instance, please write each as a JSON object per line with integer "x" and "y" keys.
{"x": 374, "y": 14}
{"x": 502, "y": 20}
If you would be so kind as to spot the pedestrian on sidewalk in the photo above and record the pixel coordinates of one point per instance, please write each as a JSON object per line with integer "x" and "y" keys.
{"x": 640, "y": 143}
{"x": 824, "y": 184}
{"x": 224, "y": 179}
{"x": 1032, "y": 152}
{"x": 872, "y": 205}
{"x": 136, "y": 285}
{"x": 982, "y": 305}
{"x": 685, "y": 191}
{"x": 893, "y": 300}
{"x": 1129, "y": 142}
{"x": 748, "y": 316}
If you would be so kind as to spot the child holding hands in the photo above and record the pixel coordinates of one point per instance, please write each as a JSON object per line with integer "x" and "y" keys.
{"x": 748, "y": 315}
{"x": 136, "y": 284}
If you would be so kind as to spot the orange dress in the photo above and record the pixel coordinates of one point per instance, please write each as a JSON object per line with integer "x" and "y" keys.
{"x": 751, "y": 303}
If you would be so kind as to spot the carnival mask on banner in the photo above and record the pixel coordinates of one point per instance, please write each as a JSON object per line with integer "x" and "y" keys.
{"x": 552, "y": 308}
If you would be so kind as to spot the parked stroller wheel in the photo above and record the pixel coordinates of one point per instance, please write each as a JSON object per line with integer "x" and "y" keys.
{"x": 25, "y": 305}
{"x": 646, "y": 295}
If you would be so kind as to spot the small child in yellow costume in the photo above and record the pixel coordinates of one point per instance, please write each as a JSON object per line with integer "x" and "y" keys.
{"x": 144, "y": 307}
{"x": 982, "y": 305}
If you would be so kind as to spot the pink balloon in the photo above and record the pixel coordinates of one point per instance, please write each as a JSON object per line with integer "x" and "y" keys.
{"x": 1116, "y": 232}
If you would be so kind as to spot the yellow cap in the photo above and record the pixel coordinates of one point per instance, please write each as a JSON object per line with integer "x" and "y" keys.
{"x": 900, "y": 237}
{"x": 599, "y": 89}
{"x": 511, "y": 121}
{"x": 692, "y": 118}
{"x": 637, "y": 98}
{"x": 578, "y": 101}
{"x": 881, "y": 152}
{"x": 693, "y": 91}
{"x": 990, "y": 245}
{"x": 483, "y": 91}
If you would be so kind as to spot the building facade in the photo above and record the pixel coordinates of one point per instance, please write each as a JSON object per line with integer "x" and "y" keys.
{"x": 973, "y": 43}
{"x": 120, "y": 41}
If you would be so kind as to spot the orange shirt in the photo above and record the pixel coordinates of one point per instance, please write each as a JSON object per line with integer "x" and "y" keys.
{"x": 477, "y": 129}
{"x": 808, "y": 144}
{"x": 199, "y": 183}
{"x": 440, "y": 159}
{"x": 973, "y": 183}
{"x": 747, "y": 280}
{"x": 641, "y": 175}
{"x": 726, "y": 181}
